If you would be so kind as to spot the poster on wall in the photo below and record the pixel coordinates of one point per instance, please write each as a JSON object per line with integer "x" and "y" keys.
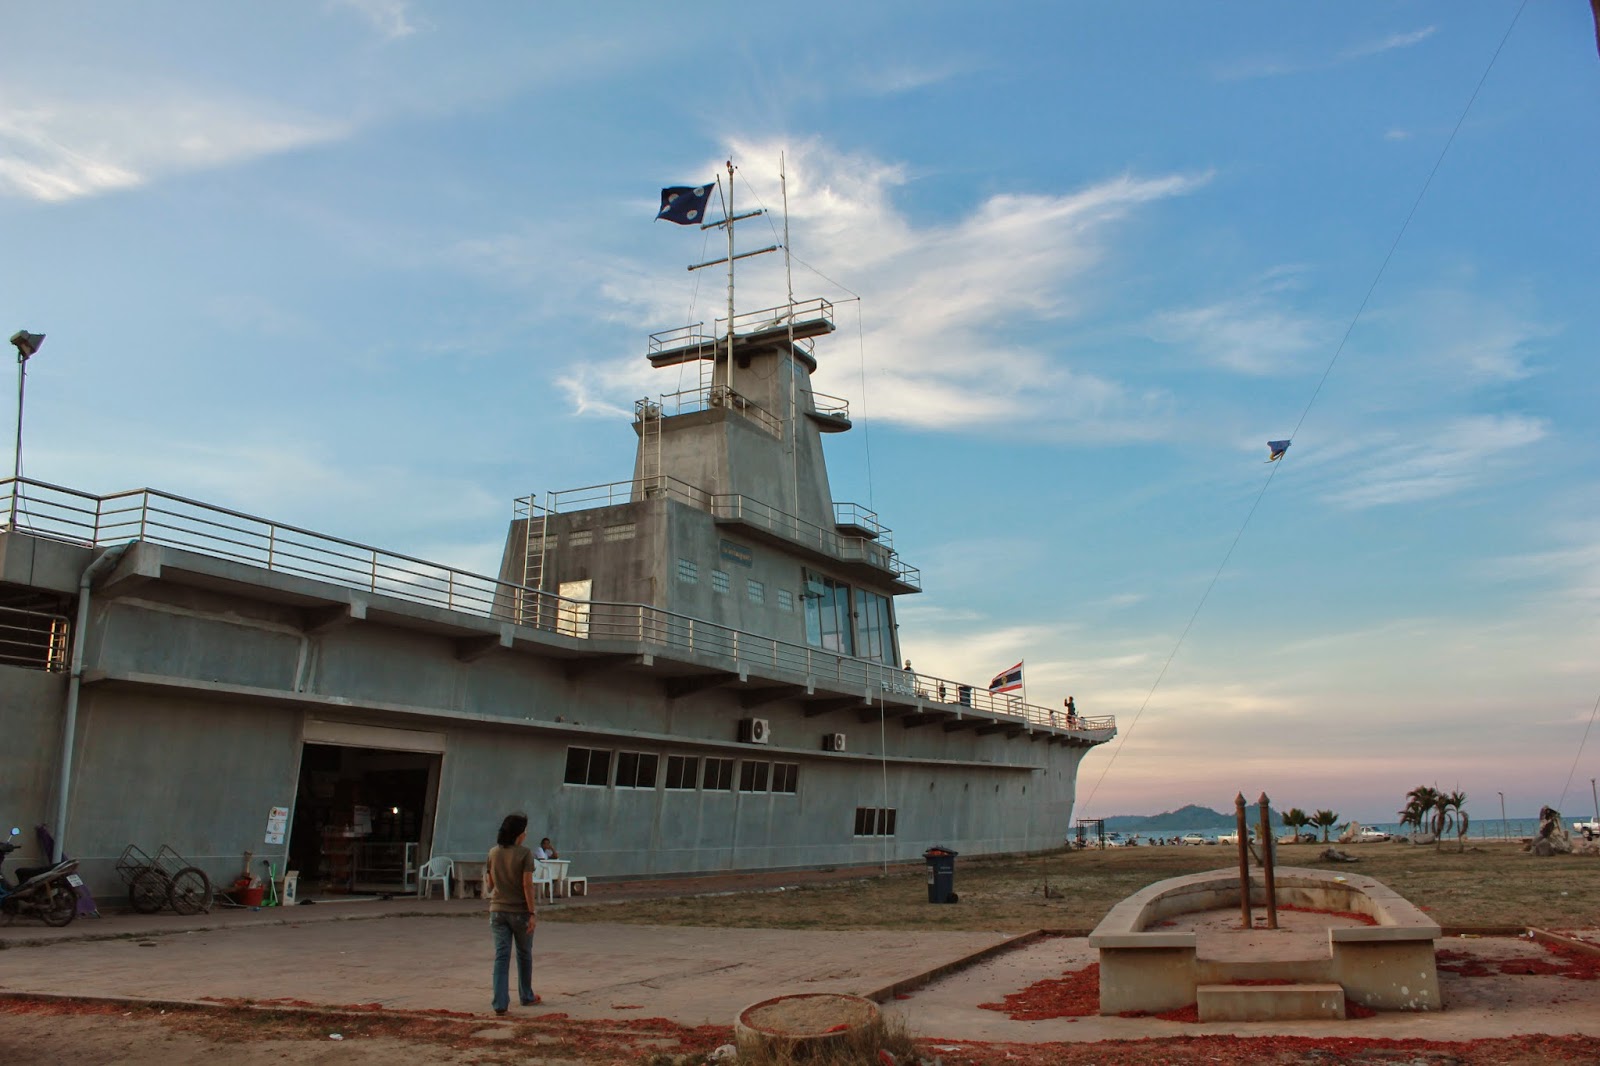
{"x": 277, "y": 824}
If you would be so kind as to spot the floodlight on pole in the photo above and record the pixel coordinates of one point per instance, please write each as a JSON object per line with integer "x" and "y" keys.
{"x": 27, "y": 345}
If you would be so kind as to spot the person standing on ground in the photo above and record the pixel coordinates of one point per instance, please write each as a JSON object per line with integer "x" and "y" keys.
{"x": 508, "y": 882}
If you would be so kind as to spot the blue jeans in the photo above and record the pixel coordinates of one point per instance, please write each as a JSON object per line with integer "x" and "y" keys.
{"x": 509, "y": 926}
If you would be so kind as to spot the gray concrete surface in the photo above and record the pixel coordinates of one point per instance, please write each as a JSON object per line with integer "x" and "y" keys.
{"x": 439, "y": 959}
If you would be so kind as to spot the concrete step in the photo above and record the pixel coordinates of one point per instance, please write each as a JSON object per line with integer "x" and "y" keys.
{"x": 1269, "y": 1003}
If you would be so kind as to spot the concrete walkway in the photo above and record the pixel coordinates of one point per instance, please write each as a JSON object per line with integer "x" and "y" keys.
{"x": 411, "y": 955}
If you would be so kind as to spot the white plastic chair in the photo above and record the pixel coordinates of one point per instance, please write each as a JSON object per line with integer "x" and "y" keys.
{"x": 439, "y": 868}
{"x": 543, "y": 880}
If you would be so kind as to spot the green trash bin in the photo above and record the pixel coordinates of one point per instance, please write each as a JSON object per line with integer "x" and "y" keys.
{"x": 941, "y": 874}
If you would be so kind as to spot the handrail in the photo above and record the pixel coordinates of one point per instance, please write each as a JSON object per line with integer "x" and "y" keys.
{"x": 33, "y": 639}
{"x": 60, "y": 513}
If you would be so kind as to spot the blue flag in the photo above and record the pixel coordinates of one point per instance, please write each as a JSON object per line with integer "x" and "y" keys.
{"x": 684, "y": 204}
{"x": 1277, "y": 448}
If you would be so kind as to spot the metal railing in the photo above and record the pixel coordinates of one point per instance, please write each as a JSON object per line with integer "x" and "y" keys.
{"x": 69, "y": 515}
{"x": 770, "y": 318}
{"x": 36, "y": 640}
{"x": 878, "y": 552}
{"x": 831, "y": 406}
{"x": 715, "y": 397}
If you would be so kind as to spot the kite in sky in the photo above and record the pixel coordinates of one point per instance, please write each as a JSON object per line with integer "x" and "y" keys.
{"x": 1277, "y": 447}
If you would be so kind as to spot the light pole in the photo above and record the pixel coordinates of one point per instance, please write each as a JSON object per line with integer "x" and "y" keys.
{"x": 1505, "y": 831}
{"x": 27, "y": 344}
{"x": 1596, "y": 799}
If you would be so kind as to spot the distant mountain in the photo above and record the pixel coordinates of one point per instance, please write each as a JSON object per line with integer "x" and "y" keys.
{"x": 1191, "y": 816}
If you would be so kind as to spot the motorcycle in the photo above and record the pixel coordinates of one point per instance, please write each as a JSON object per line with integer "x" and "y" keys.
{"x": 49, "y": 893}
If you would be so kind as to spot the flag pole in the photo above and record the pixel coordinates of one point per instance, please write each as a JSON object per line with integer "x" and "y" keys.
{"x": 1022, "y": 668}
{"x": 729, "y": 228}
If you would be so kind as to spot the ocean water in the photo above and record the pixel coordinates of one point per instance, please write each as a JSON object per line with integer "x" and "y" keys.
{"x": 1487, "y": 829}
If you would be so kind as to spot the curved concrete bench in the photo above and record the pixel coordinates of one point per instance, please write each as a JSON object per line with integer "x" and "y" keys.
{"x": 1389, "y": 966}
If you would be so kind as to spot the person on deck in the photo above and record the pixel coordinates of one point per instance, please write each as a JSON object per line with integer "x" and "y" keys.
{"x": 508, "y": 882}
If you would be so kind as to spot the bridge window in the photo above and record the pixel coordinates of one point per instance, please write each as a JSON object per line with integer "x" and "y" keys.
{"x": 682, "y": 771}
{"x": 636, "y": 769}
{"x": 828, "y": 614}
{"x": 718, "y": 775}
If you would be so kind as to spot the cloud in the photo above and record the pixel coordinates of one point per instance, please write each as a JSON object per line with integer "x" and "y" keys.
{"x": 948, "y": 308}
{"x": 1389, "y": 43}
{"x": 892, "y": 78}
{"x": 65, "y": 149}
{"x": 391, "y": 18}
{"x": 1275, "y": 66}
{"x": 1431, "y": 463}
{"x": 1250, "y": 334}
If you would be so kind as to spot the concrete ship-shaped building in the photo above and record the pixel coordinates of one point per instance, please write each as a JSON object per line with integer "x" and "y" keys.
{"x": 693, "y": 670}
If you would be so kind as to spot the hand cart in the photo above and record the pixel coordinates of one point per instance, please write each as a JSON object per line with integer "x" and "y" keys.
{"x": 165, "y": 880}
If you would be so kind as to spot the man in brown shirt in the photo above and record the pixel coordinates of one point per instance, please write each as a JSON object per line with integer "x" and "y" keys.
{"x": 508, "y": 882}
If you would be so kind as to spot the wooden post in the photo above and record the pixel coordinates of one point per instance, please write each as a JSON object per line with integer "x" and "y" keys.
{"x": 1242, "y": 845}
{"x": 1266, "y": 864}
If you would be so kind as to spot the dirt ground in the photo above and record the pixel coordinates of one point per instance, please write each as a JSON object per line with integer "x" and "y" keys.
{"x": 1491, "y": 883}
{"x": 1554, "y": 1003}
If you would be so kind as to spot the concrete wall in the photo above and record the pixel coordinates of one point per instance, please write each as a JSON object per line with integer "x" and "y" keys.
{"x": 32, "y": 704}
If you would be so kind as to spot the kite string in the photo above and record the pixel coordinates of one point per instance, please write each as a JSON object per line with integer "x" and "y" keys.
{"x": 1328, "y": 371}
{"x": 1400, "y": 235}
{"x": 1122, "y": 739}
{"x": 1579, "y": 753}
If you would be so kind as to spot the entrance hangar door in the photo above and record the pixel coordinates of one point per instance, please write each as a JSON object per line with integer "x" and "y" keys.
{"x": 366, "y": 802}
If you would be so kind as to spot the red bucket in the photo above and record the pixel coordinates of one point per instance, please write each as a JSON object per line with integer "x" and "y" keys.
{"x": 250, "y": 897}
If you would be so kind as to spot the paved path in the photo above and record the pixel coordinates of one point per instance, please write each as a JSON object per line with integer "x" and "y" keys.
{"x": 411, "y": 955}
{"x": 692, "y": 975}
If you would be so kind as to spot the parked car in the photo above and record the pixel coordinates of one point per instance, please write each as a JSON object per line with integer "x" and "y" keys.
{"x": 1194, "y": 838}
{"x": 1369, "y": 834}
{"x": 1590, "y": 830}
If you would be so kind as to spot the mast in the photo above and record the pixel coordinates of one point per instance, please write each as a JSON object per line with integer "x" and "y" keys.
{"x": 728, "y": 221}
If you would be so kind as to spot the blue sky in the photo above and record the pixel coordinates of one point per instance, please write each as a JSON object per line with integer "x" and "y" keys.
{"x": 378, "y": 267}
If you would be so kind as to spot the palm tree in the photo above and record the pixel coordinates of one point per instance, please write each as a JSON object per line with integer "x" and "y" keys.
{"x": 1421, "y": 803}
{"x": 1452, "y": 807}
{"x": 1327, "y": 820}
{"x": 1297, "y": 820}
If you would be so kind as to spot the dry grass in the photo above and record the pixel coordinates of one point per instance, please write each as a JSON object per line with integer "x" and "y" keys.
{"x": 1491, "y": 884}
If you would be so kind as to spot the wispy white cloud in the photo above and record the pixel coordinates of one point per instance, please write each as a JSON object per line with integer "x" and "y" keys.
{"x": 391, "y": 18}
{"x": 892, "y": 78}
{"x": 1396, "y": 134}
{"x": 1274, "y": 66}
{"x": 1430, "y": 463}
{"x": 1388, "y": 43}
{"x": 948, "y": 306}
{"x": 1256, "y": 333}
{"x": 67, "y": 148}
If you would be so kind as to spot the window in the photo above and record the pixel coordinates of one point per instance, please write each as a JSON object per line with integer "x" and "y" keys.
{"x": 719, "y": 581}
{"x": 785, "y": 600}
{"x": 580, "y": 538}
{"x": 688, "y": 573}
{"x": 619, "y": 532}
{"x": 756, "y": 591}
{"x": 682, "y": 771}
{"x": 874, "y": 629}
{"x": 785, "y": 777}
{"x": 588, "y": 766}
{"x": 828, "y": 614}
{"x": 875, "y": 821}
{"x": 718, "y": 776}
{"x": 753, "y": 776}
{"x": 636, "y": 769}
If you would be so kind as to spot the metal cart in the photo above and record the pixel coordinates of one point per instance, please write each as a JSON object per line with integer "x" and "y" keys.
{"x": 165, "y": 880}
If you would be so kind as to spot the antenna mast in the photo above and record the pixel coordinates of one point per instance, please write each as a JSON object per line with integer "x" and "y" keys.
{"x": 731, "y": 256}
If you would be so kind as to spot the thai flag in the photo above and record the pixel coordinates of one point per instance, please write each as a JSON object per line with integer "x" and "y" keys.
{"x": 1007, "y": 680}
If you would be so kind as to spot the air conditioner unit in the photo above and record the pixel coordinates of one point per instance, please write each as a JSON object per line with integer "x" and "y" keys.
{"x": 833, "y": 742}
{"x": 755, "y": 730}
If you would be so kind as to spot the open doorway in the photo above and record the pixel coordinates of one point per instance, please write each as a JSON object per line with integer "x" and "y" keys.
{"x": 363, "y": 819}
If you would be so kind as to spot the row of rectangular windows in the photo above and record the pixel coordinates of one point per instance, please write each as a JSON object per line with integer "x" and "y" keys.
{"x": 580, "y": 538}
{"x": 640, "y": 769}
{"x": 689, "y": 574}
{"x": 875, "y": 821}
